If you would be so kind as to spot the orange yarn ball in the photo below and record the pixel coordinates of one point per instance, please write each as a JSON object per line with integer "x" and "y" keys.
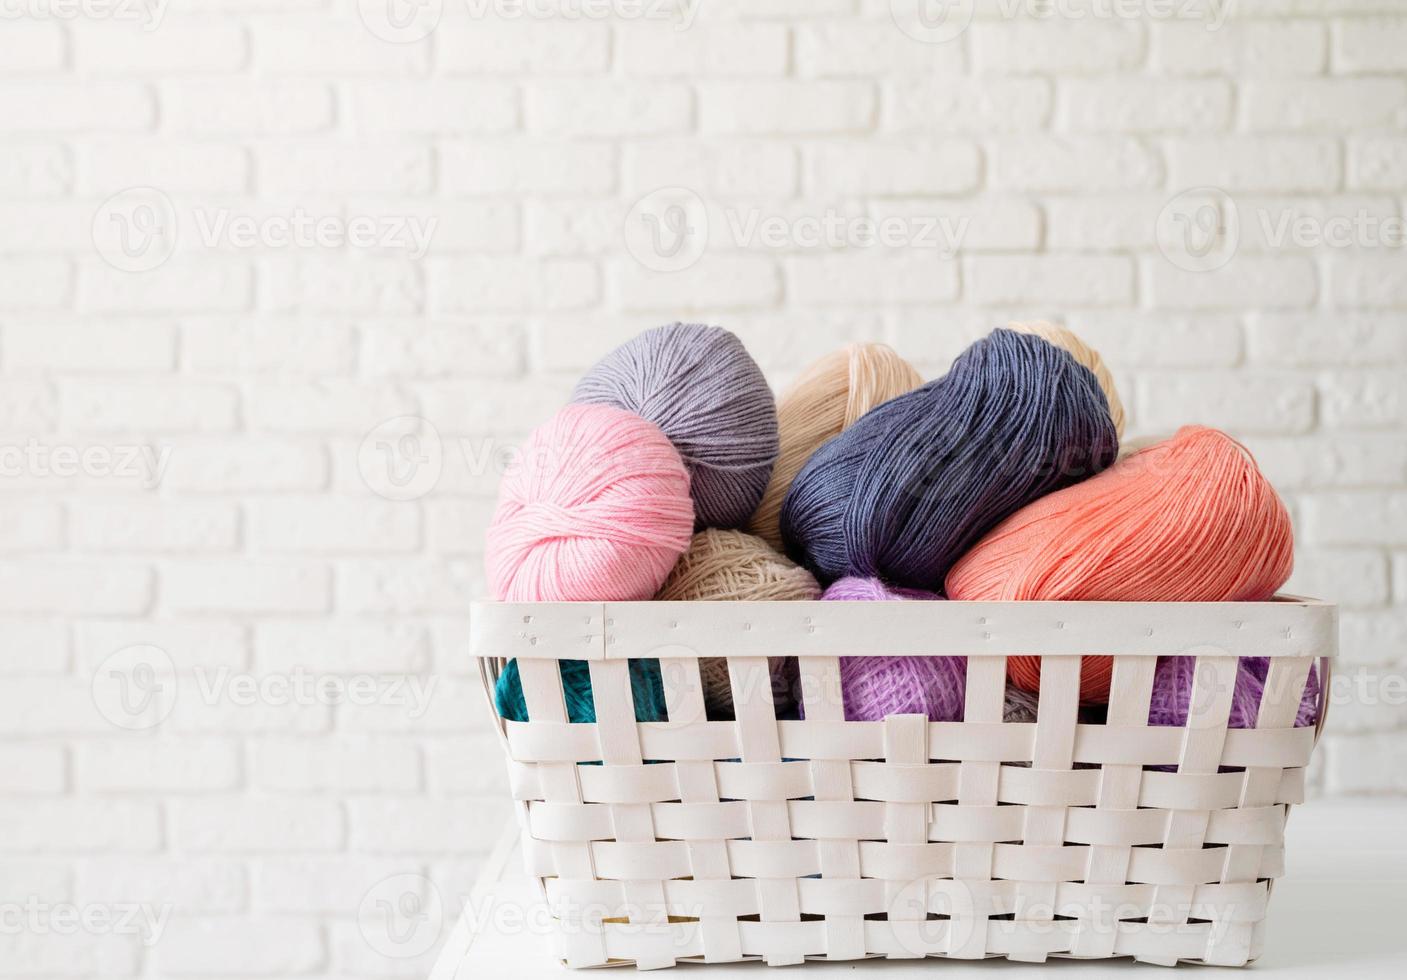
{"x": 1190, "y": 519}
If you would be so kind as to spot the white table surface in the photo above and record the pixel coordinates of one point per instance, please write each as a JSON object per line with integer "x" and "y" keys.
{"x": 1342, "y": 906}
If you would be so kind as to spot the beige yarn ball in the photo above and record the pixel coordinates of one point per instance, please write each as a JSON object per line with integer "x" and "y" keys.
{"x": 826, "y": 399}
{"x": 1084, "y": 354}
{"x": 731, "y": 565}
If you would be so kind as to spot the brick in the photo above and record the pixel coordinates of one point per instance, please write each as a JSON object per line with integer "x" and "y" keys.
{"x": 1349, "y": 576}
{"x": 1085, "y": 164}
{"x": 33, "y": 769}
{"x": 222, "y": 109}
{"x": 1108, "y": 221}
{"x": 722, "y": 168}
{"x": 871, "y": 167}
{"x": 857, "y": 48}
{"x": 1361, "y": 518}
{"x": 334, "y": 406}
{"x": 1066, "y": 280}
{"x": 1286, "y": 224}
{"x": 1246, "y": 48}
{"x": 32, "y": 46}
{"x": 711, "y": 51}
{"x": 246, "y": 465}
{"x": 715, "y": 282}
{"x": 472, "y": 348}
{"x": 786, "y": 107}
{"x": 1071, "y": 47}
{"x": 30, "y": 953}
{"x": 35, "y": 170}
{"x": 505, "y": 48}
{"x": 25, "y": 407}
{"x": 1365, "y": 399}
{"x": 1160, "y": 341}
{"x": 1372, "y": 44}
{"x": 193, "y": 885}
{"x": 409, "y": 586}
{"x": 245, "y": 587}
{"x": 1377, "y": 162}
{"x": 313, "y": 44}
{"x": 1241, "y": 402}
{"x": 1319, "y": 104}
{"x": 1374, "y": 764}
{"x": 318, "y": 525}
{"x": 33, "y": 646}
{"x": 51, "y": 705}
{"x": 1367, "y": 280}
{"x": 239, "y": 825}
{"x": 75, "y": 588}
{"x": 133, "y": 345}
{"x": 328, "y": 885}
{"x": 441, "y": 106}
{"x": 1373, "y": 636}
{"x": 1311, "y": 340}
{"x": 42, "y": 826}
{"x": 361, "y": 646}
{"x": 1286, "y": 164}
{"x": 176, "y": 287}
{"x": 191, "y": 644}
{"x": 30, "y": 525}
{"x": 442, "y": 227}
{"x": 76, "y": 107}
{"x": 344, "y": 764}
{"x": 223, "y": 702}
{"x": 265, "y": 946}
{"x": 181, "y": 44}
{"x": 35, "y": 284}
{"x": 870, "y": 276}
{"x": 380, "y": 167}
{"x": 1143, "y": 105}
{"x": 180, "y": 169}
{"x": 458, "y": 526}
{"x": 423, "y": 826}
{"x": 456, "y": 767}
{"x": 165, "y": 526}
{"x": 48, "y": 880}
{"x": 1343, "y": 459}
{"x": 151, "y": 765}
{"x": 607, "y": 108}
{"x": 98, "y": 406}
{"x": 1246, "y": 282}
{"x": 493, "y": 285}
{"x": 425, "y": 704}
{"x": 46, "y": 226}
{"x": 267, "y": 346}
{"x": 970, "y": 105}
{"x": 989, "y": 223}
{"x": 331, "y": 284}
{"x": 526, "y": 167}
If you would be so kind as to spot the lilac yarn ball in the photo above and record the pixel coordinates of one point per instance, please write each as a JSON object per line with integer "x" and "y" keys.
{"x": 1172, "y": 693}
{"x": 706, "y": 393}
{"x": 875, "y": 687}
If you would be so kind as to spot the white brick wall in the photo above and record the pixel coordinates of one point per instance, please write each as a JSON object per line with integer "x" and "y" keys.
{"x": 233, "y": 588}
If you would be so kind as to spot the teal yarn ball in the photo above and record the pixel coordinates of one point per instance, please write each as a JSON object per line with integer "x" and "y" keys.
{"x": 645, "y": 685}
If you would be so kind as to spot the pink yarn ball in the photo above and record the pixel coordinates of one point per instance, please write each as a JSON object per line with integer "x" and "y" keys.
{"x": 874, "y": 687}
{"x": 597, "y": 508}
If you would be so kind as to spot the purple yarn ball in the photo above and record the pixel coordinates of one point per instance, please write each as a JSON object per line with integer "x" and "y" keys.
{"x": 706, "y": 393}
{"x": 1172, "y": 693}
{"x": 875, "y": 687}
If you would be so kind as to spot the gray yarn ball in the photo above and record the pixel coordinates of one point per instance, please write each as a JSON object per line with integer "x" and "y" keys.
{"x": 707, "y": 394}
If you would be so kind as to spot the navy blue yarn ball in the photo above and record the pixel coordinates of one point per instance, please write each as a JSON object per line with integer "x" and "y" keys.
{"x": 903, "y": 492}
{"x": 645, "y": 685}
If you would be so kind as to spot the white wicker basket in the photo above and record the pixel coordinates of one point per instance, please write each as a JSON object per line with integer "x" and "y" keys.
{"x": 839, "y": 840}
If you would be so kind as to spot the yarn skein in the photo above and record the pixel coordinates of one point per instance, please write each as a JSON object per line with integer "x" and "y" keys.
{"x": 1172, "y": 693}
{"x": 1189, "y": 519}
{"x": 827, "y": 398}
{"x": 730, "y": 565}
{"x": 903, "y": 492}
{"x": 708, "y": 396}
{"x": 597, "y": 508}
{"x": 646, "y": 688}
{"x": 876, "y": 687}
{"x": 1085, "y": 355}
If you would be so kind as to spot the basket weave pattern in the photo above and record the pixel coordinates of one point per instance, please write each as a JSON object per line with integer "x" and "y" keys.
{"x": 719, "y": 841}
